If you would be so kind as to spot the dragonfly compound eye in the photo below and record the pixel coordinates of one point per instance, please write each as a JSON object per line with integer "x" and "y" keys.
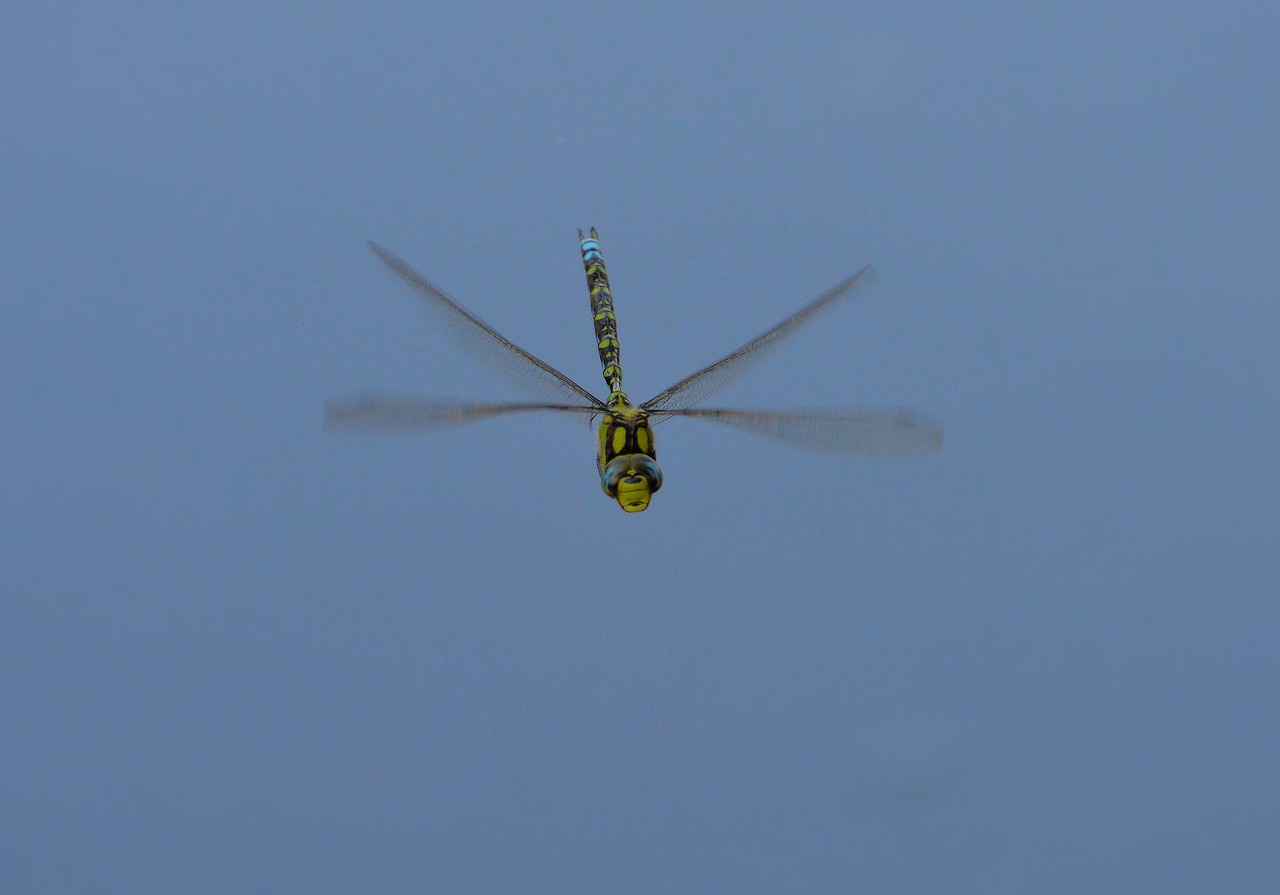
{"x": 648, "y": 467}
{"x": 631, "y": 479}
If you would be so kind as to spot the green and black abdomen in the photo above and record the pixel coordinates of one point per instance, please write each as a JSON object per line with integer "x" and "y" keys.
{"x": 606, "y": 324}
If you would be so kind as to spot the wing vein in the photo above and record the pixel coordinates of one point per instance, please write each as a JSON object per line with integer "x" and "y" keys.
{"x": 867, "y": 431}
{"x": 400, "y": 413}
{"x": 697, "y": 387}
{"x": 548, "y": 382}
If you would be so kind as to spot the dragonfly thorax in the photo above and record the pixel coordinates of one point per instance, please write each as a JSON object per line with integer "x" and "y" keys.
{"x": 625, "y": 429}
{"x": 629, "y": 472}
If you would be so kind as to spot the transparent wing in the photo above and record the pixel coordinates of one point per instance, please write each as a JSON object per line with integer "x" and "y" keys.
{"x": 699, "y": 386}
{"x": 518, "y": 365}
{"x": 868, "y": 431}
{"x": 394, "y": 413}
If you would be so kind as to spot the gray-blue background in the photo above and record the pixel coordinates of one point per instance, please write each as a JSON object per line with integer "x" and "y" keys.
{"x": 241, "y": 654}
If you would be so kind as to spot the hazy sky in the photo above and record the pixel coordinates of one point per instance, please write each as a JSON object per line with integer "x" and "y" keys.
{"x": 239, "y": 653}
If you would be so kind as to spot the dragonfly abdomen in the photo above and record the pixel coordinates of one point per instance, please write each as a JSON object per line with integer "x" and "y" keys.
{"x": 606, "y": 324}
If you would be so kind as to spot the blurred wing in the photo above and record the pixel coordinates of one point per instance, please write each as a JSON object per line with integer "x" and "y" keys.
{"x": 699, "y": 386}
{"x": 391, "y": 413}
{"x": 506, "y": 356}
{"x": 867, "y": 431}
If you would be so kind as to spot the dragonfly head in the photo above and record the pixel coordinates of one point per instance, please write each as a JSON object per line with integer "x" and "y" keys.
{"x": 631, "y": 480}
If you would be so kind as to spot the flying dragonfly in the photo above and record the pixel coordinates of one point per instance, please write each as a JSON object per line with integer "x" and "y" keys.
{"x": 626, "y": 455}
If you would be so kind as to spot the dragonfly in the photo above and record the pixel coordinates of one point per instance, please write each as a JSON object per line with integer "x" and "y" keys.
{"x": 626, "y": 454}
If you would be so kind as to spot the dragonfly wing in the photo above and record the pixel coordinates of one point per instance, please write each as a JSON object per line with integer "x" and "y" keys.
{"x": 514, "y": 362}
{"x": 699, "y": 386}
{"x": 394, "y": 413}
{"x": 865, "y": 431}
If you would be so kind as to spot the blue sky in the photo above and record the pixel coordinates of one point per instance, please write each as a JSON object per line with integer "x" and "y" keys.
{"x": 238, "y": 652}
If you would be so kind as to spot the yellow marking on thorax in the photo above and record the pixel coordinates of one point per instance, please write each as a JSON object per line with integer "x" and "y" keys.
{"x": 604, "y": 440}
